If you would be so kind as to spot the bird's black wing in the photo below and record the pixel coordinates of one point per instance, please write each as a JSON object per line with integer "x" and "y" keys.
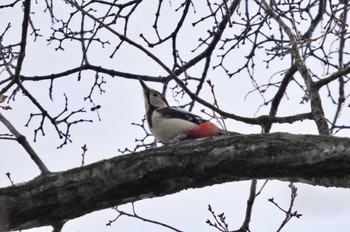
{"x": 175, "y": 112}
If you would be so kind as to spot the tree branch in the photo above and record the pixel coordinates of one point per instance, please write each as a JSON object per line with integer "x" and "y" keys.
{"x": 134, "y": 215}
{"x": 10, "y": 4}
{"x": 332, "y": 77}
{"x": 99, "y": 69}
{"x": 279, "y": 95}
{"x": 21, "y": 139}
{"x": 315, "y": 100}
{"x": 22, "y": 52}
{"x": 250, "y": 203}
{"x": 316, "y": 160}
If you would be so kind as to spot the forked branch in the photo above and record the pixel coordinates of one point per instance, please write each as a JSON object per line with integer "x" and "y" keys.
{"x": 21, "y": 139}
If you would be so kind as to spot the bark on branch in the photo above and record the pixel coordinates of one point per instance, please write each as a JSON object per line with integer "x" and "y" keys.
{"x": 56, "y": 197}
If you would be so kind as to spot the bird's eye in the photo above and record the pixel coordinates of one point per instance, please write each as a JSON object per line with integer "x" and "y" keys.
{"x": 155, "y": 94}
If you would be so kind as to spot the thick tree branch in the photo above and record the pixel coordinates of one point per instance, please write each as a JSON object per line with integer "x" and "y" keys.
{"x": 317, "y": 160}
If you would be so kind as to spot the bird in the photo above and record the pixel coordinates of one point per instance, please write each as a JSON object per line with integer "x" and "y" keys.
{"x": 170, "y": 123}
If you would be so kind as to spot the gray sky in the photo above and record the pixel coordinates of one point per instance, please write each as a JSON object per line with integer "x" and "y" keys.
{"x": 323, "y": 209}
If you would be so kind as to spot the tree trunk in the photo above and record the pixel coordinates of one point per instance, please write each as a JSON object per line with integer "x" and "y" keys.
{"x": 56, "y": 197}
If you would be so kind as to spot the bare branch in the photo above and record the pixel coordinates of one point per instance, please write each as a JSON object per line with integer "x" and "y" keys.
{"x": 10, "y": 4}
{"x": 332, "y": 77}
{"x": 98, "y": 69}
{"x": 134, "y": 215}
{"x": 83, "y": 154}
{"x": 250, "y": 203}
{"x": 289, "y": 213}
{"x": 316, "y": 104}
{"x": 8, "y": 174}
{"x": 23, "y": 43}
{"x": 60, "y": 119}
{"x": 279, "y": 95}
{"x": 23, "y": 141}
{"x": 220, "y": 220}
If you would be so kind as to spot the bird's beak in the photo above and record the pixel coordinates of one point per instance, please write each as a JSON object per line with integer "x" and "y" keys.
{"x": 144, "y": 86}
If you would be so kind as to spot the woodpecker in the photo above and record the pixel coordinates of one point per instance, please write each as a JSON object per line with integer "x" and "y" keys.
{"x": 170, "y": 123}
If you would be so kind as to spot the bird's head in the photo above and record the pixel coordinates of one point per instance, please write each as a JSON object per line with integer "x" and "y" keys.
{"x": 153, "y": 98}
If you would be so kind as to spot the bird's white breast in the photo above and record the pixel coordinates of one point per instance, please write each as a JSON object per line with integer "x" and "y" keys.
{"x": 165, "y": 129}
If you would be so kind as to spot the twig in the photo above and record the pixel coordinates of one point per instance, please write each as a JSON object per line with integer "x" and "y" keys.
{"x": 84, "y": 148}
{"x": 289, "y": 213}
{"x": 21, "y": 139}
{"x": 220, "y": 223}
{"x": 134, "y": 215}
{"x": 10, "y": 5}
{"x": 261, "y": 188}
{"x": 7, "y": 137}
{"x": 8, "y": 174}
{"x": 216, "y": 104}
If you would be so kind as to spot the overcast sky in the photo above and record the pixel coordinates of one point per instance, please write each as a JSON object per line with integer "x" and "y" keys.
{"x": 323, "y": 209}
